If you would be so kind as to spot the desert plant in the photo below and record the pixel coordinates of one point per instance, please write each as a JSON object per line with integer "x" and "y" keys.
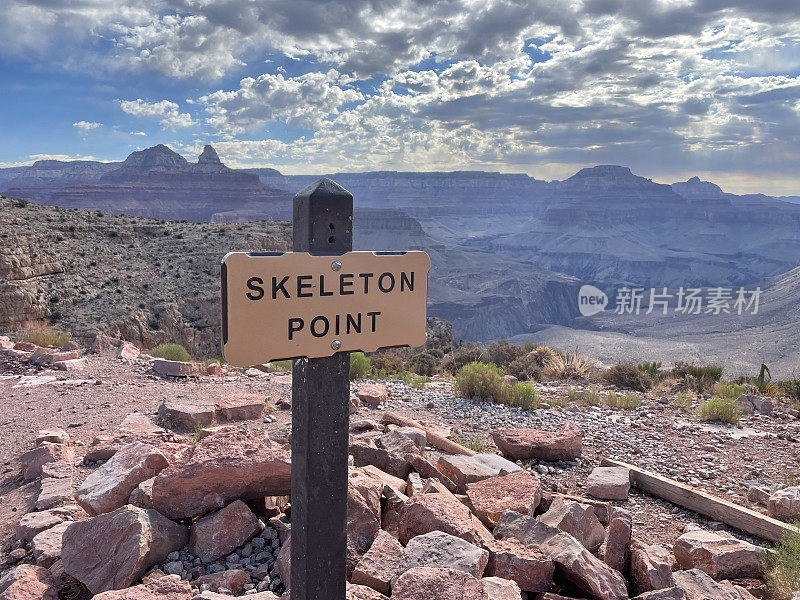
{"x": 411, "y": 379}
{"x": 502, "y": 353}
{"x": 651, "y": 368}
{"x": 791, "y": 390}
{"x": 572, "y": 365}
{"x": 625, "y": 375}
{"x": 211, "y": 361}
{"x": 556, "y": 401}
{"x": 461, "y": 356}
{"x": 590, "y": 398}
{"x": 626, "y": 401}
{"x": 473, "y": 442}
{"x": 280, "y": 366}
{"x": 520, "y": 394}
{"x": 388, "y": 362}
{"x": 198, "y": 433}
{"x": 729, "y": 391}
{"x": 682, "y": 369}
{"x": 478, "y": 380}
{"x": 719, "y": 409}
{"x": 425, "y": 364}
{"x": 684, "y": 400}
{"x": 171, "y": 352}
{"x": 359, "y": 365}
{"x": 46, "y": 336}
{"x": 530, "y": 366}
{"x": 782, "y": 567}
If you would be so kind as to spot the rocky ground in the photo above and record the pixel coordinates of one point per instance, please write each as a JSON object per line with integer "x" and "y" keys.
{"x": 92, "y": 401}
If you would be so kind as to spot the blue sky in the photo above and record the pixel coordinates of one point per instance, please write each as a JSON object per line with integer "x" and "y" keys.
{"x": 671, "y": 88}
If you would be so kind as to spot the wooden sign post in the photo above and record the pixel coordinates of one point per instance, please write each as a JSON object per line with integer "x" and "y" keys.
{"x": 318, "y": 303}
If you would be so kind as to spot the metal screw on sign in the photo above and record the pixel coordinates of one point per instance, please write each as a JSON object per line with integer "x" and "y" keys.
{"x": 336, "y": 265}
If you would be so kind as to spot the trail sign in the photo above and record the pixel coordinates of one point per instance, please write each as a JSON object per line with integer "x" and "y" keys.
{"x": 288, "y": 305}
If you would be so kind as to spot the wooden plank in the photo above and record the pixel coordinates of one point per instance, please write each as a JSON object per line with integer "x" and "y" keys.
{"x": 433, "y": 438}
{"x": 700, "y": 502}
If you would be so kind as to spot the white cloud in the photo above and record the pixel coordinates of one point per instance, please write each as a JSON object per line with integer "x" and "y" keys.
{"x": 170, "y": 116}
{"x": 86, "y": 126}
{"x": 141, "y": 133}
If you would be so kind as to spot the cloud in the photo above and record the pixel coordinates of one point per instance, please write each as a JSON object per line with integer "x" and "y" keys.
{"x": 86, "y": 126}
{"x": 142, "y": 133}
{"x": 170, "y": 117}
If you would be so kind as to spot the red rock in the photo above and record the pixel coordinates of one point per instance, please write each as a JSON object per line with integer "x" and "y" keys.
{"x": 366, "y": 452}
{"x": 25, "y": 346}
{"x": 520, "y": 492}
{"x": 224, "y": 467}
{"x": 220, "y": 533}
{"x": 58, "y": 470}
{"x": 651, "y": 568}
{"x": 424, "y": 583}
{"x": 110, "y": 486}
{"x": 77, "y": 364}
{"x": 363, "y": 516}
{"x": 497, "y": 588}
{"x": 36, "y": 522}
{"x": 179, "y": 414}
{"x": 137, "y": 425}
{"x": 54, "y": 436}
{"x": 169, "y": 587}
{"x": 103, "y": 343}
{"x": 722, "y": 557}
{"x": 427, "y": 470}
{"x": 42, "y": 356}
{"x": 699, "y": 586}
{"x": 522, "y": 444}
{"x": 47, "y": 545}
{"x": 176, "y": 368}
{"x": 113, "y": 550}
{"x": 528, "y": 567}
{"x": 444, "y": 551}
{"x": 784, "y": 504}
{"x": 382, "y": 563}
{"x": 578, "y": 520}
{"x": 65, "y": 356}
{"x": 415, "y": 434}
{"x": 673, "y": 593}
{"x": 424, "y": 513}
{"x": 127, "y": 351}
{"x": 609, "y": 483}
{"x": 362, "y": 592}
{"x": 385, "y": 479}
{"x": 283, "y": 562}
{"x": 27, "y": 582}
{"x": 233, "y": 579}
{"x": 618, "y": 540}
{"x": 215, "y": 370}
{"x": 373, "y": 393}
{"x": 54, "y": 491}
{"x": 463, "y": 470}
{"x": 32, "y": 461}
{"x": 241, "y": 407}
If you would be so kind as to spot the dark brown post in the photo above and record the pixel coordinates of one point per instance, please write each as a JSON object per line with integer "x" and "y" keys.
{"x": 323, "y": 224}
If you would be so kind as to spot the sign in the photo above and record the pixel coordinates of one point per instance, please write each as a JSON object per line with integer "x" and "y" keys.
{"x": 294, "y": 304}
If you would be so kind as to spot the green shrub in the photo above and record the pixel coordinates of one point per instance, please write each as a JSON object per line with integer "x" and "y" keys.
{"x": 171, "y": 352}
{"x": 626, "y": 401}
{"x": 425, "y": 364}
{"x": 502, "y": 353}
{"x": 682, "y": 369}
{"x": 684, "y": 400}
{"x": 479, "y": 380}
{"x": 530, "y": 366}
{"x": 791, "y": 389}
{"x": 520, "y": 394}
{"x": 388, "y": 362}
{"x": 211, "y": 361}
{"x": 651, "y": 368}
{"x": 562, "y": 402}
{"x": 46, "y": 336}
{"x": 782, "y": 568}
{"x": 411, "y": 379}
{"x": 359, "y": 365}
{"x": 473, "y": 442}
{"x": 461, "y": 356}
{"x": 625, "y": 375}
{"x": 719, "y": 409}
{"x": 587, "y": 398}
{"x": 730, "y": 391}
{"x": 280, "y": 366}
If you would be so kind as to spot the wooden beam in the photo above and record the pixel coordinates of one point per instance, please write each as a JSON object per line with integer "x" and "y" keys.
{"x": 433, "y": 438}
{"x": 700, "y": 502}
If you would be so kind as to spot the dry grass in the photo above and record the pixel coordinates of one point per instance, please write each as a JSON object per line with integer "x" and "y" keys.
{"x": 45, "y": 336}
{"x": 572, "y": 365}
{"x": 625, "y": 401}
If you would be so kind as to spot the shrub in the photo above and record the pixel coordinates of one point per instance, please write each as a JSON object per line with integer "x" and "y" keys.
{"x": 625, "y": 375}
{"x": 359, "y": 365}
{"x": 651, "y": 368}
{"x": 626, "y": 401}
{"x": 473, "y": 442}
{"x": 461, "y": 356}
{"x": 572, "y": 365}
{"x": 411, "y": 379}
{"x": 46, "y": 336}
{"x": 520, "y": 394}
{"x": 280, "y": 366}
{"x": 791, "y": 389}
{"x": 719, "y": 409}
{"x": 730, "y": 391}
{"x": 782, "y": 568}
{"x": 171, "y": 352}
{"x": 530, "y": 366}
{"x": 388, "y": 362}
{"x": 562, "y": 402}
{"x": 684, "y": 400}
{"x": 682, "y": 369}
{"x": 425, "y": 364}
{"x": 479, "y": 380}
{"x": 502, "y": 353}
{"x": 211, "y": 361}
{"x": 587, "y": 398}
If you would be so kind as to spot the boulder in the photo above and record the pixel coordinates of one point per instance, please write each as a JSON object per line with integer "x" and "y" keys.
{"x": 414, "y": 484}
{"x": 283, "y": 562}
{"x": 137, "y": 425}
{"x": 54, "y": 436}
{"x": 672, "y": 593}
{"x": 373, "y": 394}
{"x": 54, "y": 491}
{"x": 103, "y": 343}
{"x": 444, "y": 551}
{"x": 232, "y": 579}
{"x": 528, "y": 567}
{"x": 618, "y": 540}
{"x": 425, "y": 583}
{"x": 382, "y": 563}
{"x": 750, "y": 404}
{"x": 366, "y": 452}
{"x": 113, "y": 550}
{"x": 424, "y": 513}
{"x": 127, "y": 351}
{"x": 785, "y": 504}
{"x": 142, "y": 495}
{"x": 363, "y": 516}
{"x": 609, "y": 483}
{"x": 230, "y": 465}
{"x": 28, "y": 582}
{"x": 520, "y": 492}
{"x": 398, "y": 444}
{"x": 362, "y": 592}
{"x": 427, "y": 470}
{"x": 31, "y": 462}
{"x": 186, "y": 416}
{"x": 415, "y": 434}
{"x": 60, "y": 469}
{"x": 699, "y": 586}
{"x": 651, "y": 568}
{"x": 463, "y": 470}
{"x": 573, "y": 562}
{"x": 46, "y": 545}
{"x": 578, "y": 520}
{"x": 385, "y": 479}
{"x": 523, "y": 444}
{"x": 176, "y": 368}
{"x": 220, "y": 533}
{"x": 36, "y": 522}
{"x": 74, "y": 364}
{"x": 721, "y": 557}
{"x": 168, "y": 587}
{"x": 240, "y": 407}
{"x": 215, "y": 370}
{"x": 497, "y": 588}
{"x": 110, "y": 486}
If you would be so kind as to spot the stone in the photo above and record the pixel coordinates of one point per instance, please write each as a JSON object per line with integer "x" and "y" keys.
{"x": 137, "y": 425}
{"x": 424, "y": 513}
{"x": 215, "y": 370}
{"x": 385, "y": 479}
{"x": 47, "y": 545}
{"x": 427, "y": 470}
{"x": 142, "y": 494}
{"x": 127, "y": 351}
{"x": 240, "y": 407}
{"x": 363, "y": 516}
{"x": 362, "y": 592}
{"x": 651, "y": 568}
{"x": 366, "y": 452}
{"x": 444, "y": 551}
{"x": 578, "y": 520}
{"x": 573, "y": 562}
{"x": 697, "y": 585}
{"x": 31, "y": 462}
{"x": 26, "y": 346}
{"x": 463, "y": 470}
{"x": 70, "y": 345}
{"x": 523, "y": 444}
{"x": 36, "y": 522}
{"x": 176, "y": 368}
{"x": 414, "y": 484}
{"x": 520, "y": 492}
{"x": 528, "y": 567}
{"x": 168, "y": 587}
{"x": 54, "y": 491}
{"x": 381, "y": 563}
{"x": 186, "y": 416}
{"x": 609, "y": 483}
{"x": 113, "y": 550}
{"x": 209, "y": 595}
{"x": 398, "y": 444}
{"x": 721, "y": 557}
{"x": 283, "y": 562}
{"x": 28, "y": 582}
{"x": 758, "y": 495}
{"x": 374, "y": 394}
{"x": 42, "y": 356}
{"x": 618, "y": 540}
{"x": 218, "y": 534}
{"x": 75, "y": 364}
{"x": 785, "y": 504}
{"x": 232, "y": 579}
{"x": 425, "y": 583}
{"x": 60, "y": 469}
{"x": 415, "y": 434}
{"x": 497, "y": 588}
{"x": 750, "y": 404}
{"x": 110, "y": 486}
{"x": 672, "y": 593}
{"x": 54, "y": 436}
{"x": 229, "y": 465}
{"x": 103, "y": 343}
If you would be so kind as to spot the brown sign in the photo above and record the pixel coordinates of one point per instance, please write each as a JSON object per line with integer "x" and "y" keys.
{"x": 278, "y": 306}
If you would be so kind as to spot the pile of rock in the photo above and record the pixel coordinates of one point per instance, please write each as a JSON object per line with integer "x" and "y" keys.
{"x": 69, "y": 357}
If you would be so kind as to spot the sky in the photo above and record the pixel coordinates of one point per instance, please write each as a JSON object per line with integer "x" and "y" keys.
{"x": 670, "y": 88}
